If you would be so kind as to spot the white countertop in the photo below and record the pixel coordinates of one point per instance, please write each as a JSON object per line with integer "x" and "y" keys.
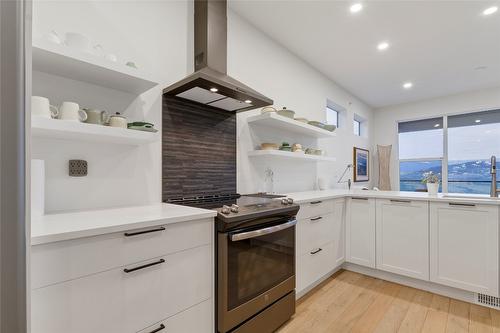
{"x": 58, "y": 227}
{"x": 300, "y": 197}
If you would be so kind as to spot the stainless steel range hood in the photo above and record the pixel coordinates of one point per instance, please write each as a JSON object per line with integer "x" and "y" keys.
{"x": 210, "y": 84}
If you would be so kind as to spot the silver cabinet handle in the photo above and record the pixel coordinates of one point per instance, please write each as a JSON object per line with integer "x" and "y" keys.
{"x": 262, "y": 232}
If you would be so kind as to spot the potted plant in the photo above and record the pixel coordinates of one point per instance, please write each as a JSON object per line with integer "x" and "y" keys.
{"x": 432, "y": 181}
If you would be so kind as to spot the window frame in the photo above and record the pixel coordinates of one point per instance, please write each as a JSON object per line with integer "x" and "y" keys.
{"x": 445, "y": 158}
{"x": 354, "y": 121}
{"x": 328, "y": 107}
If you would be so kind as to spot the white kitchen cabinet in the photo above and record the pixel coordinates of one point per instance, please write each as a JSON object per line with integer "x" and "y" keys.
{"x": 464, "y": 246}
{"x": 402, "y": 237}
{"x": 320, "y": 240}
{"x": 66, "y": 260}
{"x": 195, "y": 319}
{"x": 313, "y": 265}
{"x": 360, "y": 231}
{"x": 115, "y": 301}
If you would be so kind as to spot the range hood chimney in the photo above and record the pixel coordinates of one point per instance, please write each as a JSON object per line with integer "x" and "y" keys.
{"x": 210, "y": 84}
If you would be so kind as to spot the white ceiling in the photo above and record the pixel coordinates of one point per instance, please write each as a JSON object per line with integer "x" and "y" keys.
{"x": 435, "y": 44}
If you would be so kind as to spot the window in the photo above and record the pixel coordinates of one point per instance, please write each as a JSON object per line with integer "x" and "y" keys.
{"x": 472, "y": 139}
{"x": 357, "y": 127}
{"x": 465, "y": 163}
{"x": 420, "y": 151}
{"x": 332, "y": 116}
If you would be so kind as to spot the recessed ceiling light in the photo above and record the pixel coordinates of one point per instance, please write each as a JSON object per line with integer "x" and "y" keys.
{"x": 477, "y": 120}
{"x": 357, "y": 7}
{"x": 214, "y": 89}
{"x": 248, "y": 101}
{"x": 383, "y": 46}
{"x": 490, "y": 10}
{"x": 437, "y": 125}
{"x": 407, "y": 85}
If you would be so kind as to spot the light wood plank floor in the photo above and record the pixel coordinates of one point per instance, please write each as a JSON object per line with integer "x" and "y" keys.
{"x": 351, "y": 302}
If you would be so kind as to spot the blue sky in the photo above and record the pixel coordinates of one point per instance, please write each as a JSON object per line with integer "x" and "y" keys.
{"x": 465, "y": 143}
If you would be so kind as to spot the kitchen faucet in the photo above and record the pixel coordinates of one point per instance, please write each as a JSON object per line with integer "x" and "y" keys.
{"x": 493, "y": 171}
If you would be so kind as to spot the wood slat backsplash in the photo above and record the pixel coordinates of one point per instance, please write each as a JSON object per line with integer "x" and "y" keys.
{"x": 198, "y": 149}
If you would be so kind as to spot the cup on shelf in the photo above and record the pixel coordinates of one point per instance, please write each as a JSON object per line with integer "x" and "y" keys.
{"x": 71, "y": 111}
{"x": 78, "y": 42}
{"x": 117, "y": 120}
{"x": 95, "y": 116}
{"x": 40, "y": 107}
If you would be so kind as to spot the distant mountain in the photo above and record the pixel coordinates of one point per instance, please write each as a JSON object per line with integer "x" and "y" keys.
{"x": 457, "y": 170}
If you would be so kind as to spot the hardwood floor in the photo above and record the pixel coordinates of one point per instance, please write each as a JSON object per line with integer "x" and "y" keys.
{"x": 351, "y": 302}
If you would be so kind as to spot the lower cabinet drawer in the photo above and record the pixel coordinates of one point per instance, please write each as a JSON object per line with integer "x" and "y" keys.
{"x": 125, "y": 301}
{"x": 66, "y": 260}
{"x": 315, "y": 208}
{"x": 314, "y": 231}
{"x": 314, "y": 265}
{"x": 196, "y": 319}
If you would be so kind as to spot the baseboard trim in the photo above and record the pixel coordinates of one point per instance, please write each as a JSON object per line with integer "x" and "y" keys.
{"x": 466, "y": 296}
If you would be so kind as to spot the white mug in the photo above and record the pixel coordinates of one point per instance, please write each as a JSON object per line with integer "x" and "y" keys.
{"x": 40, "y": 107}
{"x": 78, "y": 41}
{"x": 118, "y": 120}
{"x": 71, "y": 111}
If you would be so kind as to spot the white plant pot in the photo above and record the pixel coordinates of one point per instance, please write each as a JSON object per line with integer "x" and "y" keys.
{"x": 432, "y": 188}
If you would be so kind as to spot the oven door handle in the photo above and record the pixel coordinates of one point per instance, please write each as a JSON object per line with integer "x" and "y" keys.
{"x": 262, "y": 232}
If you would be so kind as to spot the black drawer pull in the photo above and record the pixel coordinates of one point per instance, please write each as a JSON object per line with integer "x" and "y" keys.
{"x": 161, "y": 328}
{"x": 129, "y": 234}
{"x": 461, "y": 204}
{"x": 359, "y": 198}
{"x": 400, "y": 201}
{"x": 316, "y": 202}
{"x": 130, "y": 270}
{"x": 316, "y": 218}
{"x": 318, "y": 250}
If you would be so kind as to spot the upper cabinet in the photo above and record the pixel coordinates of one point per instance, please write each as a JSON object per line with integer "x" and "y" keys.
{"x": 60, "y": 60}
{"x": 464, "y": 246}
{"x": 403, "y": 237}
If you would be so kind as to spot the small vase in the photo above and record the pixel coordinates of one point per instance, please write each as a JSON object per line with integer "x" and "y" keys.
{"x": 432, "y": 188}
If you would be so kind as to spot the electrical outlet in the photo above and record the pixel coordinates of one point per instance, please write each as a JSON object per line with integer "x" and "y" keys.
{"x": 78, "y": 168}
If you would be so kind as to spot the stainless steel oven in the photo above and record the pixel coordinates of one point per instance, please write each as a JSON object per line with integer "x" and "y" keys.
{"x": 256, "y": 275}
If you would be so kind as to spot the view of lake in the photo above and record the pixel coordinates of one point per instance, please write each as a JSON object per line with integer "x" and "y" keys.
{"x": 463, "y": 176}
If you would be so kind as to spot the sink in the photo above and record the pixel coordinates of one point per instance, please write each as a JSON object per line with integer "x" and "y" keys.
{"x": 469, "y": 196}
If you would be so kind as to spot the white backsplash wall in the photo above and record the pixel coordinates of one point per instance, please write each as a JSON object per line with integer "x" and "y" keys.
{"x": 266, "y": 66}
{"x": 157, "y": 36}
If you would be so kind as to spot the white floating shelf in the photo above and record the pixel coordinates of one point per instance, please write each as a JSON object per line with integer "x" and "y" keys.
{"x": 72, "y": 130}
{"x": 63, "y": 61}
{"x": 274, "y": 120}
{"x": 279, "y": 154}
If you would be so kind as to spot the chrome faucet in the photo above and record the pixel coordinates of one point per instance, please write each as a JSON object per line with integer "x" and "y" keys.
{"x": 493, "y": 171}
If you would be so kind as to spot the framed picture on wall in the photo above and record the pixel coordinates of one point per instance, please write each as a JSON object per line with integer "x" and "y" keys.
{"x": 361, "y": 163}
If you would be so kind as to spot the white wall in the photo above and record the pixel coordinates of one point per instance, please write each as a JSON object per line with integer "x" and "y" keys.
{"x": 261, "y": 63}
{"x": 155, "y": 35}
{"x": 158, "y": 36}
{"x": 385, "y": 119}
